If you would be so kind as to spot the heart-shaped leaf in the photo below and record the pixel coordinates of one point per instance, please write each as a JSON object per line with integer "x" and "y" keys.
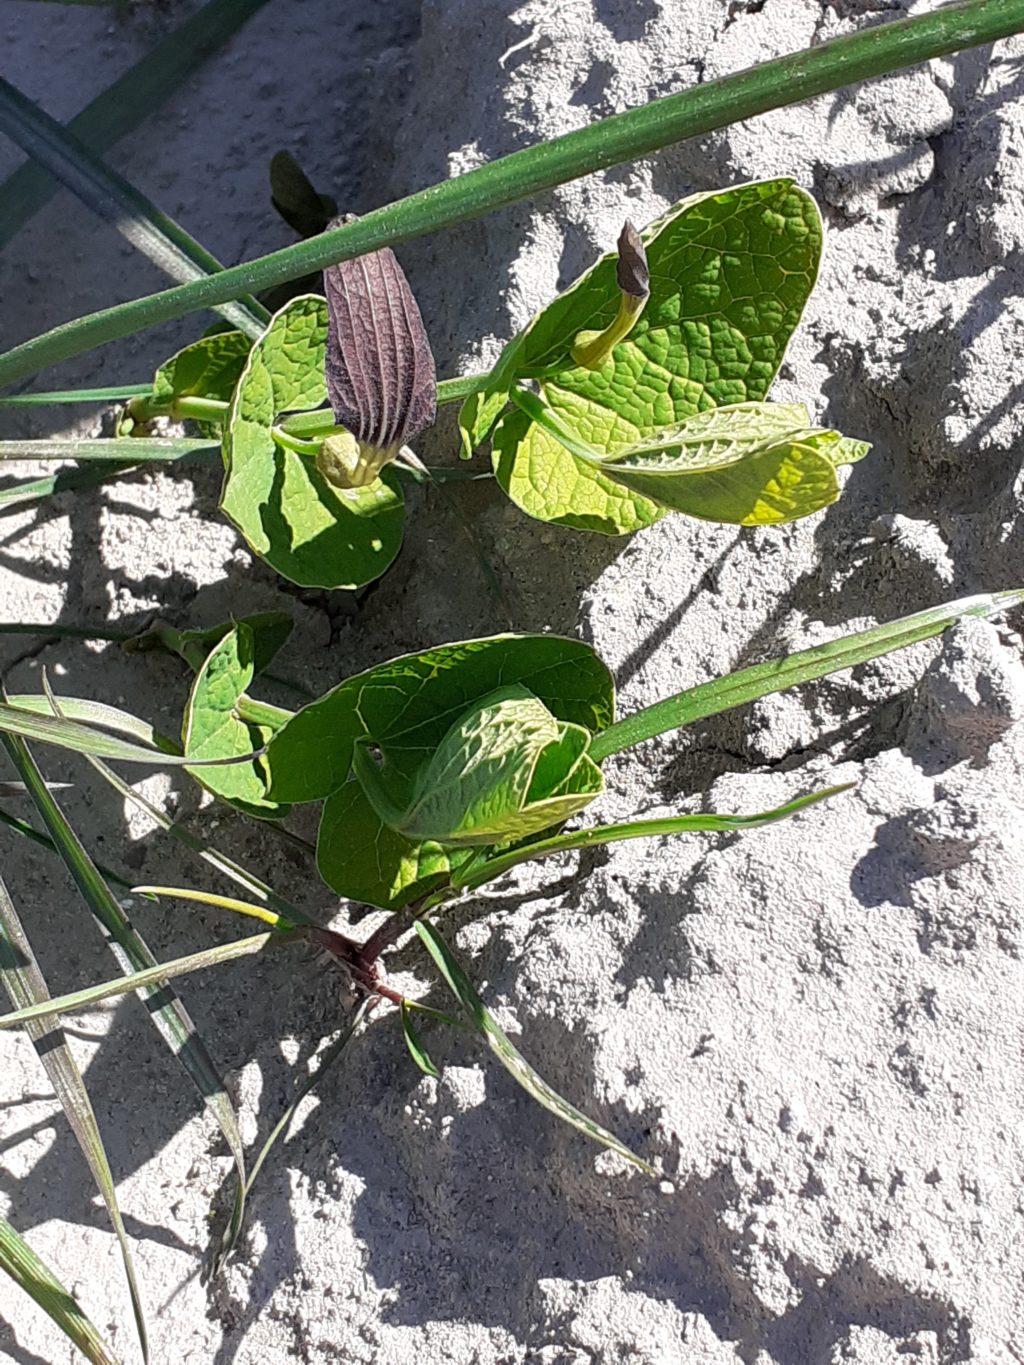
{"x": 730, "y": 274}
{"x": 212, "y": 727}
{"x": 310, "y": 532}
{"x": 361, "y": 857}
{"x": 208, "y": 368}
{"x": 405, "y": 709}
{"x": 407, "y": 705}
{"x": 552, "y": 484}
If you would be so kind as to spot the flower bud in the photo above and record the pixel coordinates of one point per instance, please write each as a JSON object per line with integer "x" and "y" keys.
{"x": 379, "y": 368}
{"x": 592, "y": 349}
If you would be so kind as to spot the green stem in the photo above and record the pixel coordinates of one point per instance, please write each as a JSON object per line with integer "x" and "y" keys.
{"x": 183, "y": 408}
{"x": 296, "y": 443}
{"x": 124, "y": 450}
{"x": 443, "y": 474}
{"x": 455, "y": 390}
{"x": 788, "y": 80}
{"x": 538, "y": 411}
{"x": 255, "y": 712}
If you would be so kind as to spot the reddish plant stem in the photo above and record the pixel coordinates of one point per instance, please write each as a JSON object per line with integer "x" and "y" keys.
{"x": 367, "y": 974}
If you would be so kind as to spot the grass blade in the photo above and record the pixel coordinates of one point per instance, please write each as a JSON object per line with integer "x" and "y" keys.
{"x": 238, "y": 907}
{"x": 26, "y": 987}
{"x": 119, "y": 203}
{"x": 479, "y": 873}
{"x": 81, "y": 739}
{"x": 94, "y": 713}
{"x": 20, "y": 1262}
{"x": 787, "y": 80}
{"x": 735, "y": 689}
{"x": 132, "y": 953}
{"x": 511, "y": 1059}
{"x": 414, "y": 1043}
{"x": 129, "y": 101}
{"x": 76, "y": 1001}
{"x": 67, "y": 481}
{"x": 52, "y": 397}
{"x": 134, "y": 449}
{"x": 34, "y": 836}
{"x": 332, "y": 1055}
{"x": 100, "y": 468}
{"x": 230, "y": 869}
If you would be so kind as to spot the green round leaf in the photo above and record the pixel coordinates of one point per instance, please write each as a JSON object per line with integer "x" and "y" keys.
{"x": 208, "y": 368}
{"x": 310, "y": 532}
{"x": 552, "y": 484}
{"x": 505, "y": 770}
{"x": 363, "y": 859}
{"x": 212, "y": 728}
{"x": 731, "y": 273}
{"x": 407, "y": 706}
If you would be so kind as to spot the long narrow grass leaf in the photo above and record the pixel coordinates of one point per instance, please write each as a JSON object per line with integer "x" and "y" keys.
{"x": 746, "y": 685}
{"x": 509, "y": 1056}
{"x": 95, "y": 474}
{"x": 76, "y": 1001}
{"x": 129, "y": 101}
{"x": 230, "y": 869}
{"x": 798, "y": 76}
{"x": 114, "y": 199}
{"x": 132, "y": 953}
{"x": 54, "y": 397}
{"x": 20, "y": 1262}
{"x": 219, "y": 902}
{"x": 414, "y": 1043}
{"x": 27, "y": 988}
{"x": 336, "y": 1050}
{"x": 35, "y": 836}
{"x": 66, "y": 481}
{"x": 81, "y": 739}
{"x": 124, "y": 450}
{"x": 481, "y": 872}
{"x": 96, "y": 713}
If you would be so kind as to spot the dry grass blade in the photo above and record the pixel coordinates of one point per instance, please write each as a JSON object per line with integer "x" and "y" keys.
{"x": 232, "y": 870}
{"x": 82, "y": 739}
{"x": 34, "y": 836}
{"x": 75, "y": 1001}
{"x": 20, "y": 1262}
{"x": 27, "y": 988}
{"x": 95, "y": 713}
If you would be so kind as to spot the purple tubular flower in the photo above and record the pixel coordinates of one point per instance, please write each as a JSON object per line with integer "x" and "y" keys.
{"x": 379, "y": 367}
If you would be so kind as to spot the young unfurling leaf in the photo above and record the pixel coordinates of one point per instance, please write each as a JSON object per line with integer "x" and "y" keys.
{"x": 379, "y": 367}
{"x": 506, "y": 769}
